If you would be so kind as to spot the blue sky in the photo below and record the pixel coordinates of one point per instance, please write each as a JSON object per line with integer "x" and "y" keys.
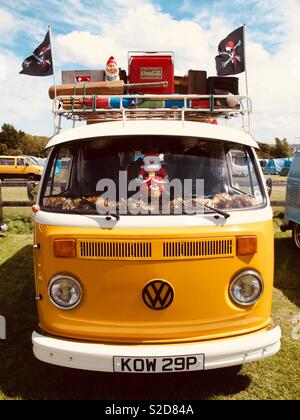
{"x": 261, "y": 26}
{"x": 86, "y": 32}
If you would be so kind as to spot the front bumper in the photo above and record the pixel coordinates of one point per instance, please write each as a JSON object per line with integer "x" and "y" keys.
{"x": 99, "y": 357}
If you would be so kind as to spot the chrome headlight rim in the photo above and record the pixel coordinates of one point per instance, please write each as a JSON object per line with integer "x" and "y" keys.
{"x": 77, "y": 285}
{"x": 252, "y": 273}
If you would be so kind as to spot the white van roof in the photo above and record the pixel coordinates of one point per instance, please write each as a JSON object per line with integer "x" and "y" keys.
{"x": 154, "y": 127}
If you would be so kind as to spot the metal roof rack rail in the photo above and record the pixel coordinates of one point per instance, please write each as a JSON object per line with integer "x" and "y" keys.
{"x": 103, "y": 108}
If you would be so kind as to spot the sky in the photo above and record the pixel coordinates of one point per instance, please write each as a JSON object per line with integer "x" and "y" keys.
{"x": 85, "y": 33}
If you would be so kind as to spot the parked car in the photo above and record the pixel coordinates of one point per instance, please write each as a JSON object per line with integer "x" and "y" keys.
{"x": 23, "y": 167}
{"x": 292, "y": 209}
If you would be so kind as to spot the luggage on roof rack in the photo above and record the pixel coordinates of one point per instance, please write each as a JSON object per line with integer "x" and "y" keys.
{"x": 153, "y": 92}
{"x": 146, "y": 67}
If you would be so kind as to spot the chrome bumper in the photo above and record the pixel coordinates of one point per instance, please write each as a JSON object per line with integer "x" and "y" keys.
{"x": 99, "y": 357}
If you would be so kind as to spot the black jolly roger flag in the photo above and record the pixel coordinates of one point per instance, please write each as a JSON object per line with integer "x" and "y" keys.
{"x": 231, "y": 58}
{"x": 40, "y": 62}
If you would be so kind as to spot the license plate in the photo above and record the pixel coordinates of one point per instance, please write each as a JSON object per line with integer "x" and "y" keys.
{"x": 158, "y": 364}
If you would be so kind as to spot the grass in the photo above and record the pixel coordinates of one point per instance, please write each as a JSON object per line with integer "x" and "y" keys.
{"x": 278, "y": 193}
{"x": 18, "y": 219}
{"x": 14, "y": 193}
{"x": 276, "y": 178}
{"x": 23, "y": 377}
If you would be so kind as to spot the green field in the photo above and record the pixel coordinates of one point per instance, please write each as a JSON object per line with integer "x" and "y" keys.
{"x": 18, "y": 219}
{"x": 276, "y": 178}
{"x": 278, "y": 191}
{"x": 23, "y": 377}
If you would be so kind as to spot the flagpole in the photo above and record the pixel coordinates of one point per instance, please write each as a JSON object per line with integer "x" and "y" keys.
{"x": 246, "y": 75}
{"x": 53, "y": 65}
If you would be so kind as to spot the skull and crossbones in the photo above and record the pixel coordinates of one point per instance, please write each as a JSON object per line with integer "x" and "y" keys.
{"x": 40, "y": 58}
{"x": 231, "y": 53}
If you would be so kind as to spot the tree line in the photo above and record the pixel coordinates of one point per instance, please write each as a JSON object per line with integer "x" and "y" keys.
{"x": 281, "y": 149}
{"x": 15, "y": 142}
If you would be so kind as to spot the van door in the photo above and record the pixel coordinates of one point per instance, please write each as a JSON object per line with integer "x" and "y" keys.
{"x": 22, "y": 167}
{"x": 7, "y": 167}
{"x": 293, "y": 192}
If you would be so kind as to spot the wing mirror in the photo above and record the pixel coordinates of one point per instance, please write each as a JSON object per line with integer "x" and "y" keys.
{"x": 269, "y": 186}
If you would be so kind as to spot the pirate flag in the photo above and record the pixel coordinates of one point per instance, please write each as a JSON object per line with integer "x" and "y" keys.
{"x": 231, "y": 58}
{"x": 40, "y": 62}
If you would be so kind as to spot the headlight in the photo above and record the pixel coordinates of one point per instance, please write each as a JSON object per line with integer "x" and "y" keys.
{"x": 65, "y": 292}
{"x": 246, "y": 288}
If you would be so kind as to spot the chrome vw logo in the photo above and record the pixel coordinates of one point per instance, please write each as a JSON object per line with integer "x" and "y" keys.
{"x": 158, "y": 295}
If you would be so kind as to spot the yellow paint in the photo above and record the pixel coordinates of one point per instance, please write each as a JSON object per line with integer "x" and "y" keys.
{"x": 112, "y": 308}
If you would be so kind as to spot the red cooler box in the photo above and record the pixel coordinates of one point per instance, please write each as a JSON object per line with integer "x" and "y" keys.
{"x": 147, "y": 67}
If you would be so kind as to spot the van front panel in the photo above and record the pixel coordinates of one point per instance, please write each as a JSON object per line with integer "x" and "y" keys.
{"x": 114, "y": 266}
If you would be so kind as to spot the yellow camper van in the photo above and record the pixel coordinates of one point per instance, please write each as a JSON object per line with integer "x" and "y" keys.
{"x": 153, "y": 244}
{"x": 19, "y": 167}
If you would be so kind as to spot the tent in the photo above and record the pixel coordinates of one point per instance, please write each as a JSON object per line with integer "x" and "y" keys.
{"x": 263, "y": 162}
{"x": 276, "y": 166}
{"x": 287, "y": 166}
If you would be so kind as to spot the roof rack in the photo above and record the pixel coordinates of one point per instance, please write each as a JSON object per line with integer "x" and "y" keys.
{"x": 202, "y": 108}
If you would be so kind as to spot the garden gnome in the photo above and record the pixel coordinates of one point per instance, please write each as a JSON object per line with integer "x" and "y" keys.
{"x": 111, "y": 70}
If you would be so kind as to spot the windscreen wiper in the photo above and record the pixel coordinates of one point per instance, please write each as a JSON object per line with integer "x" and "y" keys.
{"x": 109, "y": 216}
{"x": 220, "y": 212}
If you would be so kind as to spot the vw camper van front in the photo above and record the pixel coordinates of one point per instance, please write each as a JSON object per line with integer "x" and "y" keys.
{"x": 153, "y": 249}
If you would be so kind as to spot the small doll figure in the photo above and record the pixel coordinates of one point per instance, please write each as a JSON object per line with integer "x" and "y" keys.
{"x": 111, "y": 70}
{"x": 152, "y": 176}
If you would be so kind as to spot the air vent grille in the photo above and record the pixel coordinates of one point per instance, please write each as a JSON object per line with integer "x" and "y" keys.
{"x": 201, "y": 248}
{"x": 115, "y": 250}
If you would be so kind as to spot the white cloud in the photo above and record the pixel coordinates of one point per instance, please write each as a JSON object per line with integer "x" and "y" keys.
{"x": 8, "y": 25}
{"x": 141, "y": 28}
{"x": 116, "y": 26}
{"x": 273, "y": 79}
{"x": 3, "y": 68}
{"x": 24, "y": 99}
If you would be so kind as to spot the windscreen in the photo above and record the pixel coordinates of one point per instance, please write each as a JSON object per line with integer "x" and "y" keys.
{"x": 150, "y": 175}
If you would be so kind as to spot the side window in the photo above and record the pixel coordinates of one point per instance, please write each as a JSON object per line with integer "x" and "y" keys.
{"x": 243, "y": 178}
{"x": 21, "y": 162}
{"x": 7, "y": 162}
{"x": 59, "y": 176}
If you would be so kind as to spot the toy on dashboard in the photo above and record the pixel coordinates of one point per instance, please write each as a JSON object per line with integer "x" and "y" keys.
{"x": 152, "y": 175}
